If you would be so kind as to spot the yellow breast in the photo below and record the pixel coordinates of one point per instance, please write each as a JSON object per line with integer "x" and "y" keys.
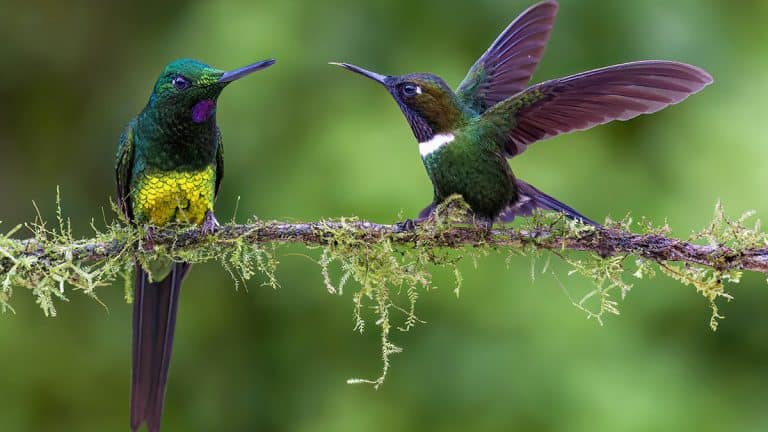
{"x": 163, "y": 197}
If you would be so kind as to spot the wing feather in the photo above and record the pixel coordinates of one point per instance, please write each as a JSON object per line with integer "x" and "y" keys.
{"x": 584, "y": 100}
{"x": 219, "y": 162}
{"x": 124, "y": 169}
{"x": 508, "y": 64}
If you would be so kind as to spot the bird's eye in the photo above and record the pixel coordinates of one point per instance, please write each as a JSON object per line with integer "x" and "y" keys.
{"x": 181, "y": 83}
{"x": 410, "y": 89}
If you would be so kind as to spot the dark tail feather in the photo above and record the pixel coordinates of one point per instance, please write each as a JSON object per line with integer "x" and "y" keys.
{"x": 154, "y": 319}
{"x": 530, "y": 198}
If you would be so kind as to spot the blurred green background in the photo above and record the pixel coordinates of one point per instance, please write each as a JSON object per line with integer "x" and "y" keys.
{"x": 306, "y": 141}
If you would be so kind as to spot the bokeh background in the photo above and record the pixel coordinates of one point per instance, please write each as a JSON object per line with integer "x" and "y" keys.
{"x": 306, "y": 141}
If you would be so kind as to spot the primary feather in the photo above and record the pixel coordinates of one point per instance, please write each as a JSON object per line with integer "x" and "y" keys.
{"x": 588, "y": 99}
{"x": 508, "y": 64}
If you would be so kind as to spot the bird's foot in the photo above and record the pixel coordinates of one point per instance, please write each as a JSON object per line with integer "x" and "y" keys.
{"x": 486, "y": 225}
{"x": 210, "y": 224}
{"x": 408, "y": 225}
{"x": 149, "y": 239}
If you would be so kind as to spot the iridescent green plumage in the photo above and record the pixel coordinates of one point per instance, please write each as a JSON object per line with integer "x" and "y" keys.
{"x": 169, "y": 169}
{"x": 466, "y": 137}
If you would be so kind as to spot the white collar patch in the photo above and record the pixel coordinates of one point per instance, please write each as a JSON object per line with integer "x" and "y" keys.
{"x": 428, "y": 147}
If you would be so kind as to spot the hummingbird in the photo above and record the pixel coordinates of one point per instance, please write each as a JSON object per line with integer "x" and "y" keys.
{"x": 465, "y": 137}
{"x": 170, "y": 163}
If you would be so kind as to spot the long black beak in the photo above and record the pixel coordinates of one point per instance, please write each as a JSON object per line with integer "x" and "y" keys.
{"x": 247, "y": 70}
{"x": 366, "y": 73}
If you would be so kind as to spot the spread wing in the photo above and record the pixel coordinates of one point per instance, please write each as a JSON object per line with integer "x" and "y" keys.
{"x": 123, "y": 170}
{"x": 581, "y": 101}
{"x": 219, "y": 162}
{"x": 506, "y": 67}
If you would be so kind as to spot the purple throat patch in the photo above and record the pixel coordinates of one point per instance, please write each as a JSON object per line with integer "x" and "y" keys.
{"x": 203, "y": 110}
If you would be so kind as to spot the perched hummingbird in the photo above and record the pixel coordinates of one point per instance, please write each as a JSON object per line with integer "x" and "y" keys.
{"x": 169, "y": 169}
{"x": 466, "y": 137}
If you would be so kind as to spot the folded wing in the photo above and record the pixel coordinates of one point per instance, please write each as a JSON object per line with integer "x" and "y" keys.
{"x": 123, "y": 167}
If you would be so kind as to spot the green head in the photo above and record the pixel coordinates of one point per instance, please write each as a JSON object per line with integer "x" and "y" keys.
{"x": 188, "y": 89}
{"x": 429, "y": 105}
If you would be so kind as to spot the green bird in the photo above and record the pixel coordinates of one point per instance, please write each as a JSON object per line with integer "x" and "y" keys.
{"x": 465, "y": 137}
{"x": 169, "y": 169}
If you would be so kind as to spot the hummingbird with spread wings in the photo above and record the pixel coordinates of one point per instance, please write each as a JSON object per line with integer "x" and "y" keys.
{"x": 170, "y": 163}
{"x": 465, "y": 137}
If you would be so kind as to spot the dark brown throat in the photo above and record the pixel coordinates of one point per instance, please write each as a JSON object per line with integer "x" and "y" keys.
{"x": 443, "y": 113}
{"x": 419, "y": 125}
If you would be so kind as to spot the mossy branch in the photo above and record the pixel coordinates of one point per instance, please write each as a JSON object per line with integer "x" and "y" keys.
{"x": 392, "y": 266}
{"x": 607, "y": 241}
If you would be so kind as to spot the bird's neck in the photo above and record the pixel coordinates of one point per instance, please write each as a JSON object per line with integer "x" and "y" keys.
{"x": 434, "y": 144}
{"x": 181, "y": 141}
{"x": 441, "y": 115}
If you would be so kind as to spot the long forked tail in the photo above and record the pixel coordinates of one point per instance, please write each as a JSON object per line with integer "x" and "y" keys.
{"x": 530, "y": 198}
{"x": 154, "y": 320}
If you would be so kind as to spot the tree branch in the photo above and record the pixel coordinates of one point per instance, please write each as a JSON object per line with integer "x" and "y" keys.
{"x": 604, "y": 241}
{"x": 390, "y": 265}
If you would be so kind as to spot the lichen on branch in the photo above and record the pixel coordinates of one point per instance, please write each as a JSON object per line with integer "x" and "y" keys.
{"x": 390, "y": 267}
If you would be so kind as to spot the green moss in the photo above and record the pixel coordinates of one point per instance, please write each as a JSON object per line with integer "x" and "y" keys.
{"x": 608, "y": 273}
{"x": 55, "y": 265}
{"x": 390, "y": 276}
{"x": 388, "y": 272}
